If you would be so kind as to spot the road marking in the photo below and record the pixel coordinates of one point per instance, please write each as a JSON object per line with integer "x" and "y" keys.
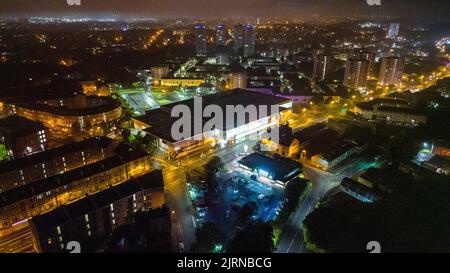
{"x": 290, "y": 245}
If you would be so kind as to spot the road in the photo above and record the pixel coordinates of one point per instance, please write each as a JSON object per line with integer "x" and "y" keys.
{"x": 183, "y": 221}
{"x": 19, "y": 241}
{"x": 291, "y": 240}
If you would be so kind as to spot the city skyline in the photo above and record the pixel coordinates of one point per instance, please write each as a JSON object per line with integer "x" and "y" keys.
{"x": 258, "y": 126}
{"x": 159, "y": 9}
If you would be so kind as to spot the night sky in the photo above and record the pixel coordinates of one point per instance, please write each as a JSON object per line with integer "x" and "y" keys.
{"x": 225, "y": 8}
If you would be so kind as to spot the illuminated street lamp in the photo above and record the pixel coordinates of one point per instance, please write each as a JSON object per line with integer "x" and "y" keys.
{"x": 218, "y": 248}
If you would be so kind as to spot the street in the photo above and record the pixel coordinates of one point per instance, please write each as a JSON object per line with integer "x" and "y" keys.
{"x": 19, "y": 241}
{"x": 291, "y": 239}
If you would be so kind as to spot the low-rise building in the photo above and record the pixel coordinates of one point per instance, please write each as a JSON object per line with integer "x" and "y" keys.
{"x": 390, "y": 110}
{"x": 441, "y": 148}
{"x": 181, "y": 82}
{"x": 340, "y": 151}
{"x": 21, "y": 137}
{"x": 277, "y": 169}
{"x": 358, "y": 190}
{"x": 379, "y": 178}
{"x": 437, "y": 164}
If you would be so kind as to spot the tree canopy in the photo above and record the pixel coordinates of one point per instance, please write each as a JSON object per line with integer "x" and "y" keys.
{"x": 415, "y": 218}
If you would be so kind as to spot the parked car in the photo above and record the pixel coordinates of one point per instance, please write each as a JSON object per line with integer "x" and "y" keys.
{"x": 201, "y": 212}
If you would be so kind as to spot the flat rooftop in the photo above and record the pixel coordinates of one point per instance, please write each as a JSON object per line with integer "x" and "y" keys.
{"x": 282, "y": 169}
{"x": 16, "y": 126}
{"x": 97, "y": 201}
{"x": 19, "y": 163}
{"x": 124, "y": 154}
{"x": 160, "y": 120}
{"x": 340, "y": 147}
{"x": 368, "y": 105}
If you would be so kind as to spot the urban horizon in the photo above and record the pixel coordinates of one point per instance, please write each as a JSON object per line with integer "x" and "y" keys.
{"x": 230, "y": 128}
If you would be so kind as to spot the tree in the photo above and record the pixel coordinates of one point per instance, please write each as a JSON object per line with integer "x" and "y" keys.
{"x": 414, "y": 218}
{"x": 294, "y": 191}
{"x": 207, "y": 237}
{"x": 246, "y": 213}
{"x": 126, "y": 134}
{"x": 358, "y": 133}
{"x": 342, "y": 92}
{"x": 213, "y": 166}
{"x": 257, "y": 237}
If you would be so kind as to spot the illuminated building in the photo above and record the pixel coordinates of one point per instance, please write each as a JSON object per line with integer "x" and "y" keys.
{"x": 288, "y": 144}
{"x": 356, "y": 72}
{"x": 220, "y": 35}
{"x": 25, "y": 170}
{"x": 21, "y": 137}
{"x": 89, "y": 87}
{"x": 181, "y": 82}
{"x": 201, "y": 39}
{"x": 73, "y": 114}
{"x": 91, "y": 219}
{"x": 237, "y": 76}
{"x": 158, "y": 123}
{"x": 441, "y": 148}
{"x": 244, "y": 40}
{"x": 249, "y": 41}
{"x": 278, "y": 170}
{"x": 41, "y": 196}
{"x": 323, "y": 66}
{"x": 391, "y": 71}
{"x": 159, "y": 72}
{"x": 393, "y": 30}
{"x": 364, "y": 54}
{"x": 390, "y": 110}
{"x": 222, "y": 58}
{"x": 238, "y": 37}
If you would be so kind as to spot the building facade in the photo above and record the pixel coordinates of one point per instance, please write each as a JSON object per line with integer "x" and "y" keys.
{"x": 26, "y": 170}
{"x": 21, "y": 137}
{"x": 91, "y": 219}
{"x": 181, "y": 82}
{"x": 29, "y": 200}
{"x": 323, "y": 67}
{"x": 80, "y": 113}
{"x": 221, "y": 32}
{"x": 356, "y": 72}
{"x": 201, "y": 39}
{"x": 391, "y": 71}
{"x": 393, "y": 30}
